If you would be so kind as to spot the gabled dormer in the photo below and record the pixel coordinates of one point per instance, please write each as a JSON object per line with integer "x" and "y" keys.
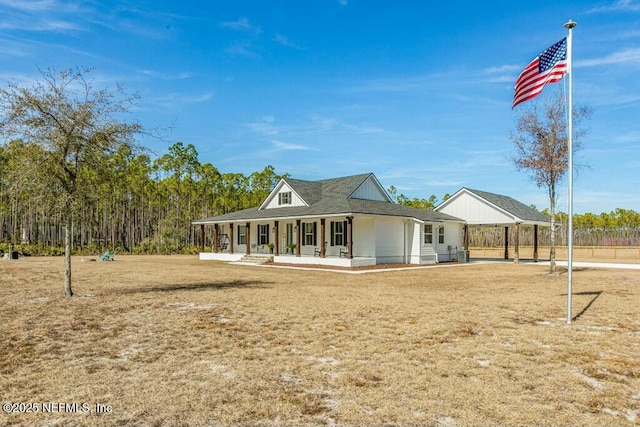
{"x": 371, "y": 189}
{"x": 283, "y": 196}
{"x": 295, "y": 192}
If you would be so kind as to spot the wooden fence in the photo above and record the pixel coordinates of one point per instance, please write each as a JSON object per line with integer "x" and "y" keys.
{"x": 580, "y": 253}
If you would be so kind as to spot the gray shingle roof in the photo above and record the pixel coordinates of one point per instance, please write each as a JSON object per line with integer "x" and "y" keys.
{"x": 511, "y": 205}
{"x": 313, "y": 191}
{"x": 331, "y": 197}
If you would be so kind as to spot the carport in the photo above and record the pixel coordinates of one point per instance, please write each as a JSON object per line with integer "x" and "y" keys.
{"x": 483, "y": 209}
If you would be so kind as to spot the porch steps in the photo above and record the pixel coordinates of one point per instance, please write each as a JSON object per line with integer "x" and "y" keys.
{"x": 257, "y": 259}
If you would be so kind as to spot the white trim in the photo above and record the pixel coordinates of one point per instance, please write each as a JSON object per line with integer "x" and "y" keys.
{"x": 477, "y": 197}
{"x": 275, "y": 192}
{"x": 327, "y": 216}
{"x": 515, "y": 219}
{"x": 329, "y": 261}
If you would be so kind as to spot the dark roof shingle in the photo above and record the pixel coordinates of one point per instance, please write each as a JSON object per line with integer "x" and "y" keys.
{"x": 511, "y": 205}
{"x": 331, "y": 197}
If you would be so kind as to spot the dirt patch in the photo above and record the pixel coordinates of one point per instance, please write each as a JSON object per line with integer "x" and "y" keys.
{"x": 175, "y": 341}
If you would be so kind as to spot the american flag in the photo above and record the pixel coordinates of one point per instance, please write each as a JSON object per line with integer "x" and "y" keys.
{"x": 548, "y": 67}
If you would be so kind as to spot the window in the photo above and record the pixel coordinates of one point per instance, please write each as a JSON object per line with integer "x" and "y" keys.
{"x": 242, "y": 234}
{"x": 284, "y": 198}
{"x": 309, "y": 233}
{"x": 263, "y": 234}
{"x": 441, "y": 234}
{"x": 338, "y": 233}
{"x": 428, "y": 234}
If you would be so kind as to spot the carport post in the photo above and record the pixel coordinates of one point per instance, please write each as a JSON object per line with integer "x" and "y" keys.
{"x": 535, "y": 243}
{"x": 506, "y": 242}
{"x": 516, "y": 244}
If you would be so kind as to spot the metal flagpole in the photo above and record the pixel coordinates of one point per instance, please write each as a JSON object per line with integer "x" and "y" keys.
{"x": 570, "y": 26}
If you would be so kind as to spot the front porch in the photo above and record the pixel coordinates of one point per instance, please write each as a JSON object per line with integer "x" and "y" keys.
{"x": 330, "y": 261}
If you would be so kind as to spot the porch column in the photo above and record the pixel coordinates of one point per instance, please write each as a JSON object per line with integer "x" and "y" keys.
{"x": 465, "y": 239}
{"x": 535, "y": 243}
{"x": 216, "y": 238}
{"x": 516, "y": 245}
{"x": 350, "y": 237}
{"x": 298, "y": 231}
{"x": 506, "y": 243}
{"x": 276, "y": 245}
{"x": 247, "y": 235}
{"x": 323, "y": 246}
{"x": 231, "y": 238}
{"x": 202, "y": 235}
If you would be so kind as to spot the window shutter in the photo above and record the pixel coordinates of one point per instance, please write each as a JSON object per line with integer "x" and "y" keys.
{"x": 302, "y": 234}
{"x": 333, "y": 231}
{"x": 344, "y": 233}
{"x": 315, "y": 229}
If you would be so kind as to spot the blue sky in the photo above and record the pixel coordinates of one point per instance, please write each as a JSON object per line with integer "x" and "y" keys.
{"x": 417, "y": 92}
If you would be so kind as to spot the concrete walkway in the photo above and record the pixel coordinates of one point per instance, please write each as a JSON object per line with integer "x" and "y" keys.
{"x": 451, "y": 265}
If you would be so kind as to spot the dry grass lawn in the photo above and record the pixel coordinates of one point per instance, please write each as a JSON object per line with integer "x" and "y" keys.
{"x": 175, "y": 341}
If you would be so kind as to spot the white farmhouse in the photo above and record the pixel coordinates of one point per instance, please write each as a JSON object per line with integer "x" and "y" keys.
{"x": 349, "y": 221}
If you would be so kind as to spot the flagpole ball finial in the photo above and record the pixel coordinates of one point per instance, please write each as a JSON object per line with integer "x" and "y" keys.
{"x": 571, "y": 24}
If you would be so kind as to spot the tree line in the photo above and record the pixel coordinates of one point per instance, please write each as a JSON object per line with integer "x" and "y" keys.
{"x": 145, "y": 205}
{"x": 138, "y": 205}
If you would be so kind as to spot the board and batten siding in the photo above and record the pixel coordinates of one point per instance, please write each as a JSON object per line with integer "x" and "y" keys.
{"x": 390, "y": 242}
{"x": 364, "y": 237}
{"x": 370, "y": 190}
{"x": 475, "y": 210}
{"x": 413, "y": 242}
{"x": 295, "y": 200}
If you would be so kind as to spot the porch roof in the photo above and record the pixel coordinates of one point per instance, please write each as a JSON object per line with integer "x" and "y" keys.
{"x": 333, "y": 206}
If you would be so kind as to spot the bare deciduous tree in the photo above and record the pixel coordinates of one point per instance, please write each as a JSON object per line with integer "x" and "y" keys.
{"x": 541, "y": 141}
{"x": 74, "y": 127}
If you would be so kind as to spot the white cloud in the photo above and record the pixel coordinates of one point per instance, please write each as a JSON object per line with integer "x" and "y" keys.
{"x": 164, "y": 76}
{"x": 12, "y": 48}
{"x": 265, "y": 126}
{"x": 502, "y": 69}
{"x": 280, "y": 145}
{"x": 37, "y": 24}
{"x": 628, "y": 56}
{"x": 618, "y": 6}
{"x": 31, "y": 6}
{"x": 172, "y": 100}
{"x": 243, "y": 49}
{"x": 629, "y": 138}
{"x": 284, "y": 41}
{"x": 40, "y": 16}
{"x": 242, "y": 24}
